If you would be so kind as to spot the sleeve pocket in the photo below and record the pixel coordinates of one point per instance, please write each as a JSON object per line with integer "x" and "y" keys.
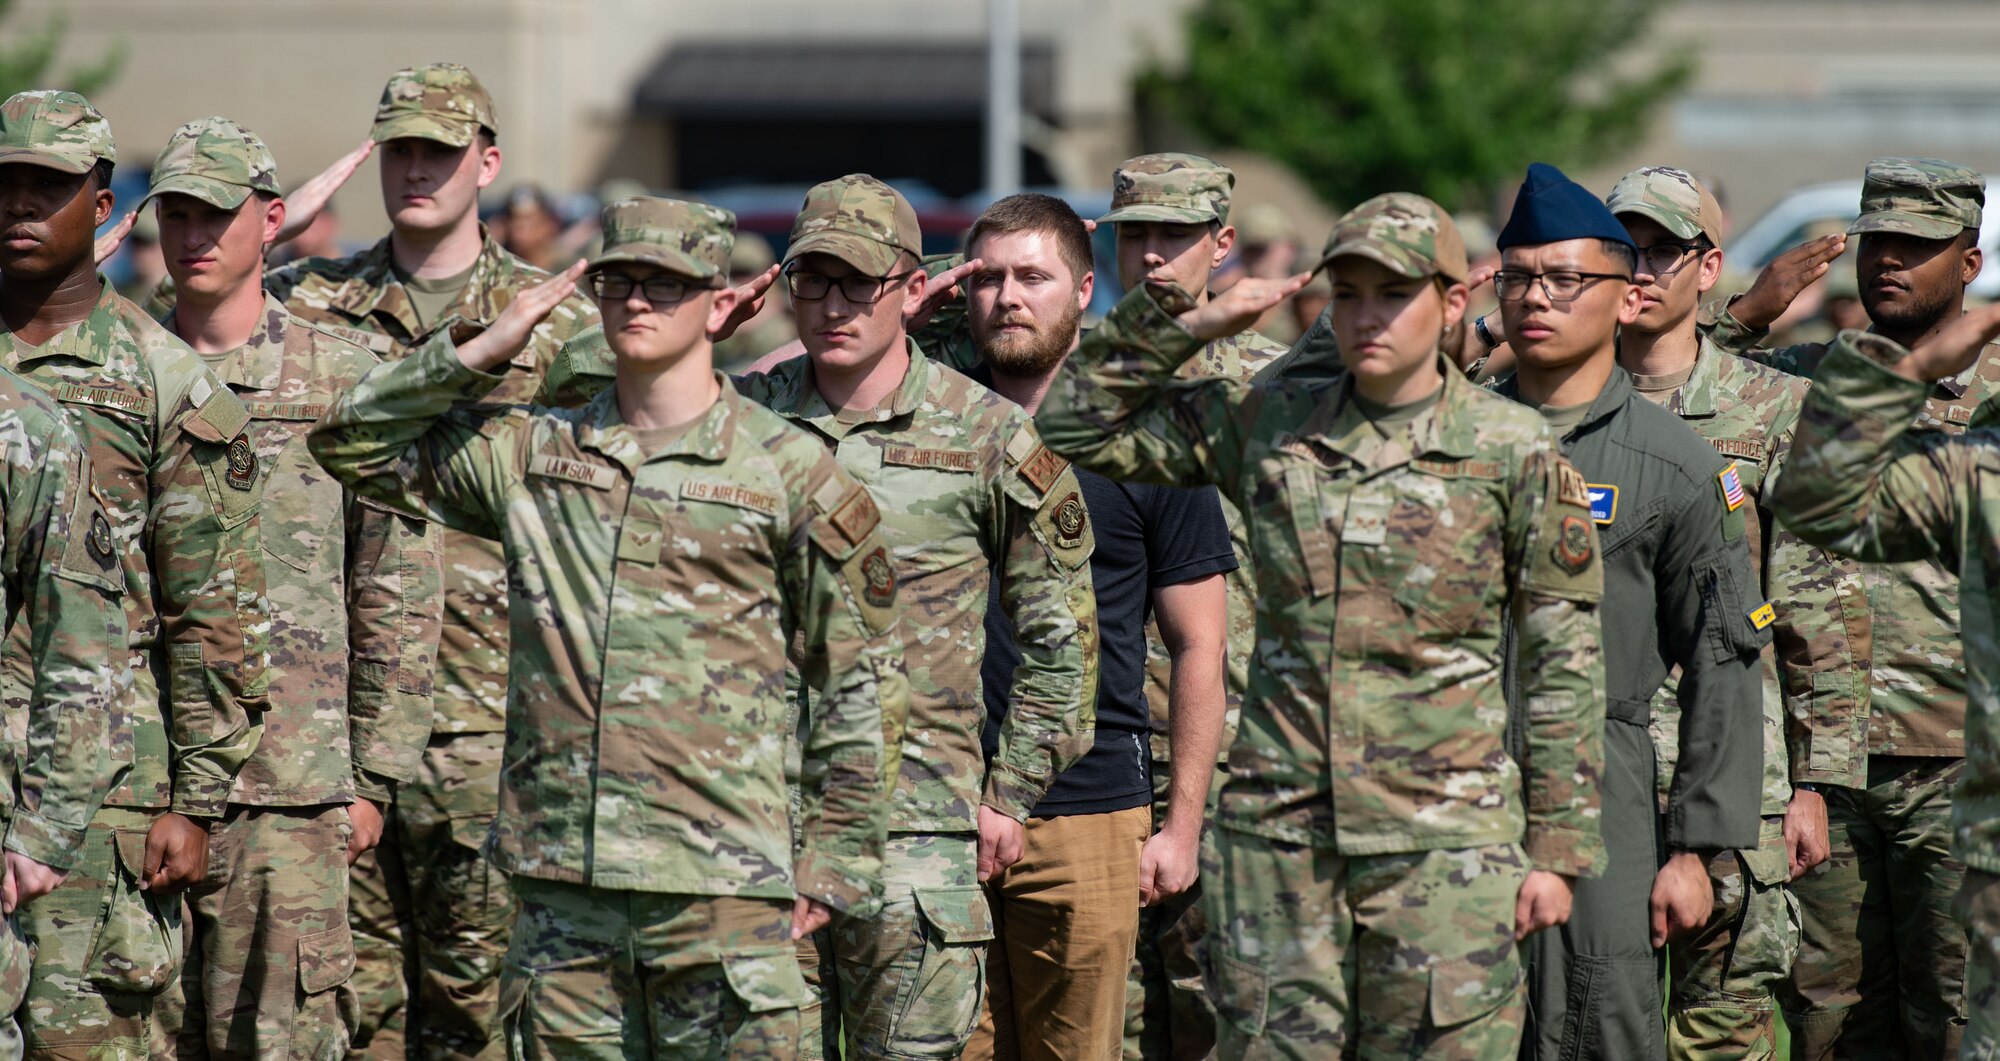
{"x": 766, "y": 982}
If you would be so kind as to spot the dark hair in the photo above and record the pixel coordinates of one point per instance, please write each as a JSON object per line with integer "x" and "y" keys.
{"x": 486, "y": 138}
{"x": 1035, "y": 212}
{"x": 1968, "y": 237}
{"x": 1621, "y": 253}
{"x": 102, "y": 171}
{"x": 1702, "y": 244}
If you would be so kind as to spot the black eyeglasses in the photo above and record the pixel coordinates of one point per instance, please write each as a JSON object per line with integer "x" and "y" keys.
{"x": 659, "y": 290}
{"x": 1664, "y": 259}
{"x": 1512, "y": 284}
{"x": 856, "y": 289}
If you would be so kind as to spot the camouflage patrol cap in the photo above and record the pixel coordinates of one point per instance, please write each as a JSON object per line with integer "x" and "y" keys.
{"x": 690, "y": 239}
{"x": 1673, "y": 197}
{"x": 1172, "y": 187}
{"x": 1406, "y": 233}
{"x": 1927, "y": 198}
{"x": 859, "y": 220}
{"x": 752, "y": 254}
{"x": 54, "y": 130}
{"x": 214, "y": 160}
{"x": 441, "y": 102}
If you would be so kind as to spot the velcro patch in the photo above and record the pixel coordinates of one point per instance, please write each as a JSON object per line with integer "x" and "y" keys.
{"x": 1732, "y": 487}
{"x": 1603, "y": 502}
{"x": 1468, "y": 469}
{"x": 589, "y": 473}
{"x": 1958, "y": 414}
{"x": 943, "y": 460}
{"x": 1764, "y": 616}
{"x": 731, "y": 494}
{"x": 285, "y": 410}
{"x": 878, "y": 578}
{"x": 105, "y": 397}
{"x": 1573, "y": 549}
{"x": 1071, "y": 518}
{"x": 1042, "y": 469}
{"x": 1570, "y": 488}
{"x": 220, "y": 412}
{"x": 856, "y": 517}
{"x": 1750, "y": 449}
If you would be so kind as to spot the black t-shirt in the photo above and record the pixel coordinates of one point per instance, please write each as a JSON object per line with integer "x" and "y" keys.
{"x": 1147, "y": 537}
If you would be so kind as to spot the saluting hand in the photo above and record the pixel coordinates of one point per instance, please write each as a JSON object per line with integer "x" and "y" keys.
{"x": 749, "y": 300}
{"x": 1790, "y": 273}
{"x": 939, "y": 290}
{"x": 1241, "y": 306}
{"x": 307, "y": 200}
{"x": 509, "y": 332}
{"x": 108, "y": 244}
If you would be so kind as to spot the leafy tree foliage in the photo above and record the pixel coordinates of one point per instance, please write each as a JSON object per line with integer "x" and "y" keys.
{"x": 28, "y": 58}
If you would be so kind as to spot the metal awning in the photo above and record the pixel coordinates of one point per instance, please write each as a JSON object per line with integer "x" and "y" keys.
{"x": 803, "y": 78}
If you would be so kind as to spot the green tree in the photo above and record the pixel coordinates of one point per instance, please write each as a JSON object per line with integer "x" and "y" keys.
{"x": 28, "y": 59}
{"x": 1451, "y": 98}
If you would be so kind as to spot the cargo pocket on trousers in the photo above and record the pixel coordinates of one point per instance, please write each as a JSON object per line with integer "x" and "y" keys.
{"x": 514, "y": 985}
{"x": 1463, "y": 989}
{"x": 766, "y": 982}
{"x": 137, "y": 949}
{"x": 941, "y": 1006}
{"x": 1242, "y": 991}
{"x": 326, "y": 959}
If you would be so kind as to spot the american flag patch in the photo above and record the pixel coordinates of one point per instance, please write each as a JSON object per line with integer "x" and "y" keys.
{"x": 1732, "y": 487}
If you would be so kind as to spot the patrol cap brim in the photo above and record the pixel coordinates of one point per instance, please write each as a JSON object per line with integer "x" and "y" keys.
{"x": 1391, "y": 258}
{"x": 1680, "y": 225}
{"x": 456, "y": 132}
{"x": 672, "y": 259}
{"x": 864, "y": 254}
{"x": 1175, "y": 215}
{"x": 220, "y": 194}
{"x": 1922, "y": 226}
{"x": 34, "y": 156}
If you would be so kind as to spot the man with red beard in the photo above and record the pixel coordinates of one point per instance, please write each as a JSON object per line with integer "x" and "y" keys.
{"x": 1066, "y": 914}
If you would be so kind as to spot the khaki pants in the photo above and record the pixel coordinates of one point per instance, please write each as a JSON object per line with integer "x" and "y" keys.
{"x": 1066, "y": 919}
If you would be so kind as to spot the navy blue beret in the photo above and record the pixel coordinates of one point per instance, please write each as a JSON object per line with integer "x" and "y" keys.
{"x": 1551, "y": 208}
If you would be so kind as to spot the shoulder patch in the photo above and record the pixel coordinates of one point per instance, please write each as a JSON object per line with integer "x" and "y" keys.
{"x": 878, "y": 578}
{"x": 1042, "y": 469}
{"x": 1071, "y": 519}
{"x": 1732, "y": 487}
{"x": 569, "y": 469}
{"x": 91, "y": 553}
{"x": 856, "y": 516}
{"x": 1570, "y": 488}
{"x": 1574, "y": 546}
{"x": 242, "y": 463}
{"x": 219, "y": 415}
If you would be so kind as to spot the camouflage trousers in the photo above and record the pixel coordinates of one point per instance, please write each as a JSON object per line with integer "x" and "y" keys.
{"x": 430, "y": 916}
{"x": 904, "y": 978}
{"x": 1978, "y": 908}
{"x": 1722, "y": 1003}
{"x": 1314, "y": 956}
{"x": 107, "y": 955}
{"x": 596, "y": 974}
{"x": 1881, "y": 967}
{"x": 1167, "y": 1010}
{"x": 16, "y": 962}
{"x": 267, "y": 938}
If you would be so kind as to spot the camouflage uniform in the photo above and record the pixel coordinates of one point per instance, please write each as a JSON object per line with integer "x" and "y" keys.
{"x": 1386, "y": 569}
{"x": 1881, "y": 958}
{"x": 652, "y": 852}
{"x": 1724, "y": 979}
{"x": 269, "y": 938}
{"x": 425, "y": 889}
{"x": 1872, "y": 476}
{"x": 1167, "y": 1012}
{"x": 57, "y": 762}
{"x": 968, "y": 501}
{"x": 165, "y": 440}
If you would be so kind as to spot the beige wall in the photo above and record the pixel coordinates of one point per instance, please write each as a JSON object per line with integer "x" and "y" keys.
{"x": 1789, "y": 90}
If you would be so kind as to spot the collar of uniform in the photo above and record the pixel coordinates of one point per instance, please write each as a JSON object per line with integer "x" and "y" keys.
{"x": 259, "y": 364}
{"x": 1698, "y": 394}
{"x": 805, "y": 401}
{"x": 1448, "y": 428}
{"x": 1617, "y": 390}
{"x": 374, "y": 288}
{"x": 709, "y": 439}
{"x": 82, "y": 341}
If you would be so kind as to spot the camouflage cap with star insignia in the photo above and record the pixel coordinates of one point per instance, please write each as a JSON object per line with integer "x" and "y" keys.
{"x": 1406, "y": 233}
{"x": 859, "y": 220}
{"x": 1673, "y": 197}
{"x": 54, "y": 130}
{"x": 689, "y": 239}
{"x": 214, "y": 160}
{"x": 1928, "y": 198}
{"x": 442, "y": 102}
{"x": 1173, "y": 187}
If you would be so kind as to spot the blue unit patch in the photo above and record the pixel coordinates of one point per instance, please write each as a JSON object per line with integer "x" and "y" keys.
{"x": 1603, "y": 502}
